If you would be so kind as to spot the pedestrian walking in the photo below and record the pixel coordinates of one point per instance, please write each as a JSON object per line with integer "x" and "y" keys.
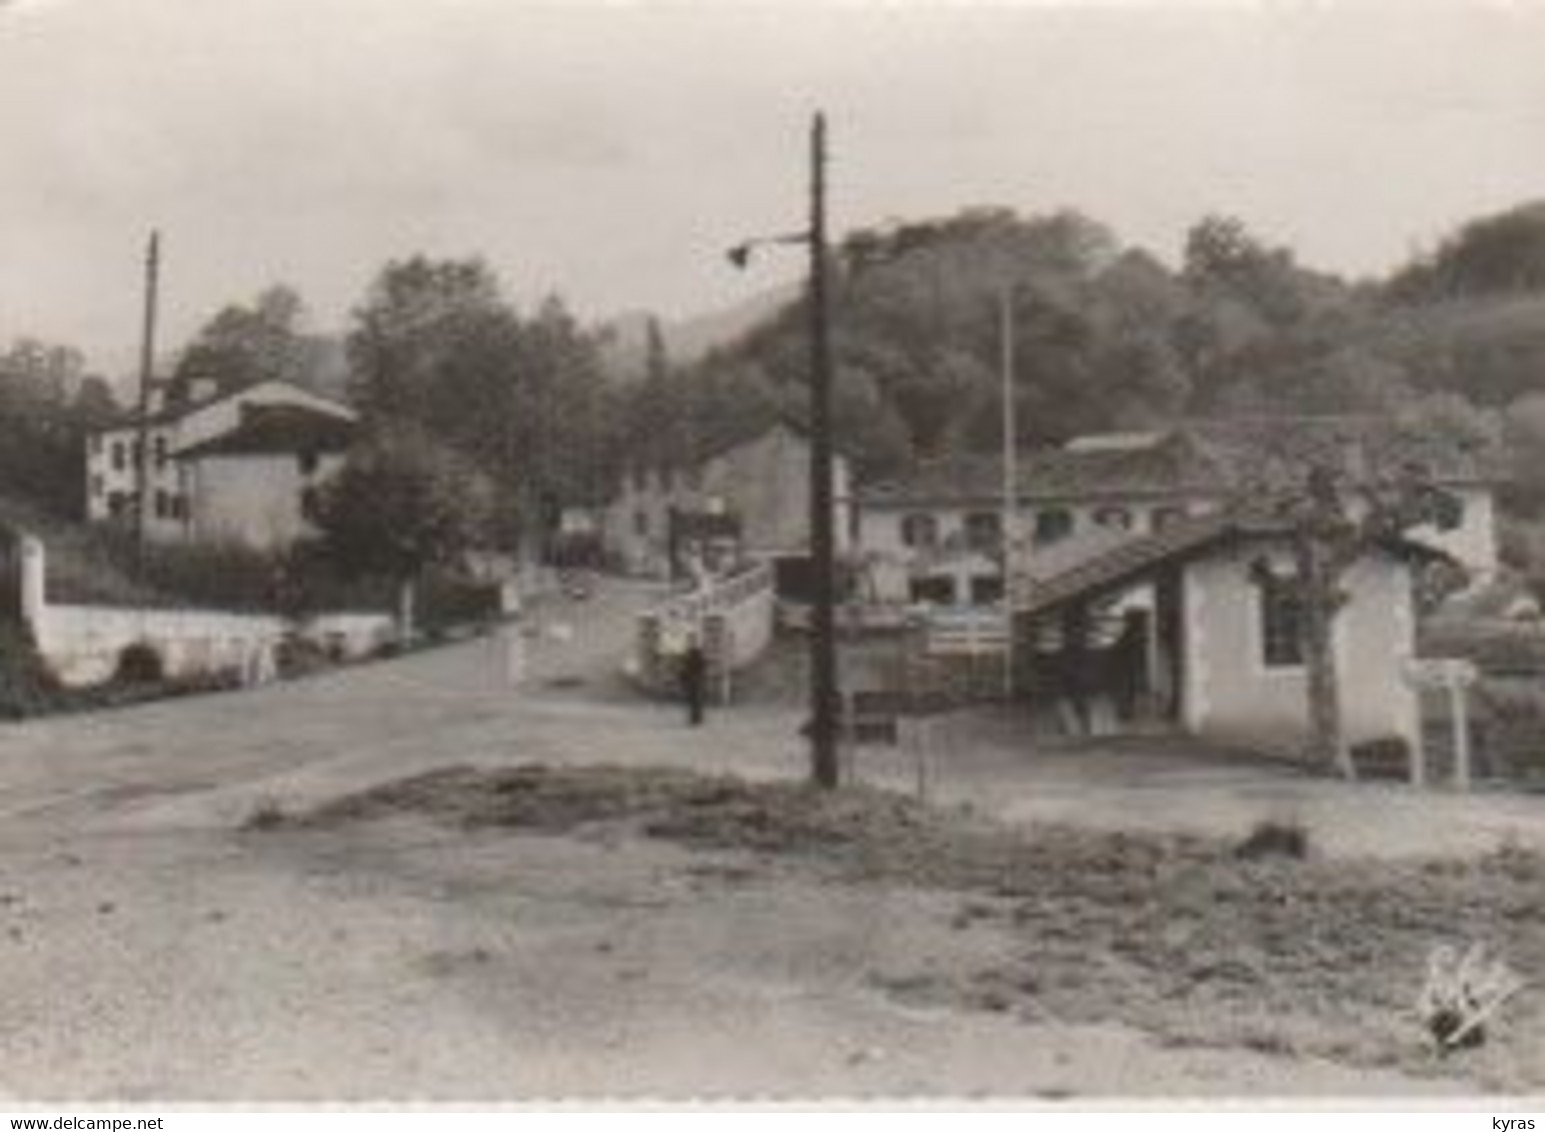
{"x": 694, "y": 681}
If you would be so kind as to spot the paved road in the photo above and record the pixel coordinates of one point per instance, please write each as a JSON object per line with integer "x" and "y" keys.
{"x": 153, "y": 950}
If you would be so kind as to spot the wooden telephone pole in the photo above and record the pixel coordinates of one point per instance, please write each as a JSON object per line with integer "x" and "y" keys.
{"x": 823, "y": 637}
{"x": 822, "y": 727}
{"x": 1010, "y": 533}
{"x": 147, "y": 362}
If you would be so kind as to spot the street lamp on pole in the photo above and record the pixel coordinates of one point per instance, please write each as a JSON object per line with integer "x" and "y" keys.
{"x": 823, "y": 636}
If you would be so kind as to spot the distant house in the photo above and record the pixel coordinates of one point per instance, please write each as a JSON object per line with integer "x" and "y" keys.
{"x": 237, "y": 466}
{"x": 1217, "y": 649}
{"x": 259, "y": 482}
{"x": 936, "y": 534}
{"x": 758, "y": 483}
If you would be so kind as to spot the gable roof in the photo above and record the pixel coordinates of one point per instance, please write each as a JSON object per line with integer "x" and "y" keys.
{"x": 1207, "y": 457}
{"x": 170, "y": 414}
{"x": 1364, "y": 448}
{"x": 1169, "y": 465}
{"x": 1103, "y": 571}
{"x": 728, "y": 437}
{"x": 274, "y": 429}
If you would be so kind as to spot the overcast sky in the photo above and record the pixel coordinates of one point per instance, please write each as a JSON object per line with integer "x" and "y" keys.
{"x": 611, "y": 153}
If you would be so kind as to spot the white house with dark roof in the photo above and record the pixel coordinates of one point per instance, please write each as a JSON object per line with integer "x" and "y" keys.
{"x": 936, "y": 534}
{"x": 237, "y": 466}
{"x": 1216, "y": 650}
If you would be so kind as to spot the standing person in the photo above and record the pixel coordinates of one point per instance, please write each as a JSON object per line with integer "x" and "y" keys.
{"x": 694, "y": 680}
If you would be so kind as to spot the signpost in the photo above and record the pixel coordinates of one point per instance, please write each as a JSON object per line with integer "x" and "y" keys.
{"x": 1452, "y": 676}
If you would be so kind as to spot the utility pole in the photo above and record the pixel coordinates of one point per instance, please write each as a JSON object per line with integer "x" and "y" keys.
{"x": 824, "y": 770}
{"x": 147, "y": 362}
{"x": 823, "y": 640}
{"x": 1010, "y": 482}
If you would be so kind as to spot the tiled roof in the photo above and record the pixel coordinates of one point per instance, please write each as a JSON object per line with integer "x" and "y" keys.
{"x": 277, "y": 428}
{"x": 1208, "y": 457}
{"x": 1170, "y": 465}
{"x": 129, "y": 416}
{"x": 1251, "y": 449}
{"x": 1095, "y": 571}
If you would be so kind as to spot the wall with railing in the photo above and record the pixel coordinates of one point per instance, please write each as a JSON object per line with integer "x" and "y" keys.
{"x": 731, "y": 619}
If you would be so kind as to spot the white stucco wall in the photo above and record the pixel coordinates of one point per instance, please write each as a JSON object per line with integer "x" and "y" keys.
{"x": 82, "y": 644}
{"x": 892, "y": 563}
{"x": 253, "y": 498}
{"x": 104, "y": 476}
{"x": 169, "y": 476}
{"x": 1230, "y": 694}
{"x": 1473, "y": 542}
{"x": 767, "y": 483}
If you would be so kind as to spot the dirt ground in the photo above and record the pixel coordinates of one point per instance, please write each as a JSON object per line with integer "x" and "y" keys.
{"x": 236, "y": 898}
{"x": 1199, "y": 943}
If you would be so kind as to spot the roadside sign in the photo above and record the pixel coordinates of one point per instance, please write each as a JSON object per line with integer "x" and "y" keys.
{"x": 1441, "y": 672}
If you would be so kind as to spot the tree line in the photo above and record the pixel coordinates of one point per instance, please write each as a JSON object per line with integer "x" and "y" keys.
{"x": 453, "y": 376}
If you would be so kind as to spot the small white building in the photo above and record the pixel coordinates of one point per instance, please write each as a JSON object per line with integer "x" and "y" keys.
{"x": 237, "y": 465}
{"x": 1219, "y": 651}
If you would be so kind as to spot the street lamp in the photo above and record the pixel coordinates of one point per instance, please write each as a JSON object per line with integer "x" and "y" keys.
{"x": 823, "y": 638}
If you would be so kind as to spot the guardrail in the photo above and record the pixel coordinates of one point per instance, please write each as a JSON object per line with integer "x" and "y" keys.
{"x": 719, "y": 595}
{"x": 965, "y": 633}
{"x": 732, "y": 620}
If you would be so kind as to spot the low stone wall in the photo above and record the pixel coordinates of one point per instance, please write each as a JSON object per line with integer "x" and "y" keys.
{"x": 82, "y": 644}
{"x": 733, "y": 622}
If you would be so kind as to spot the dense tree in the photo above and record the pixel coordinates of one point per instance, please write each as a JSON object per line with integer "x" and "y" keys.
{"x": 48, "y": 402}
{"x": 436, "y": 343}
{"x": 919, "y": 337}
{"x": 247, "y": 343}
{"x": 1499, "y": 254}
{"x": 403, "y": 503}
{"x": 1333, "y": 526}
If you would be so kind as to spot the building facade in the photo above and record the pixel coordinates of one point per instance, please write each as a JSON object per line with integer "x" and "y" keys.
{"x": 759, "y": 483}
{"x": 236, "y": 466}
{"x": 937, "y": 536}
{"x": 1216, "y": 647}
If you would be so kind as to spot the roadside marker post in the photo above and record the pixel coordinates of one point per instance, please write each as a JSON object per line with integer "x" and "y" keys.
{"x": 1453, "y": 676}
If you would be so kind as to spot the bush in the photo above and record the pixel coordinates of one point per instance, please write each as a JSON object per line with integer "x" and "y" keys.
{"x": 446, "y": 600}
{"x": 1275, "y": 839}
{"x": 299, "y": 656}
{"x": 140, "y": 663}
{"x": 27, "y": 687}
{"x": 1386, "y": 757}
